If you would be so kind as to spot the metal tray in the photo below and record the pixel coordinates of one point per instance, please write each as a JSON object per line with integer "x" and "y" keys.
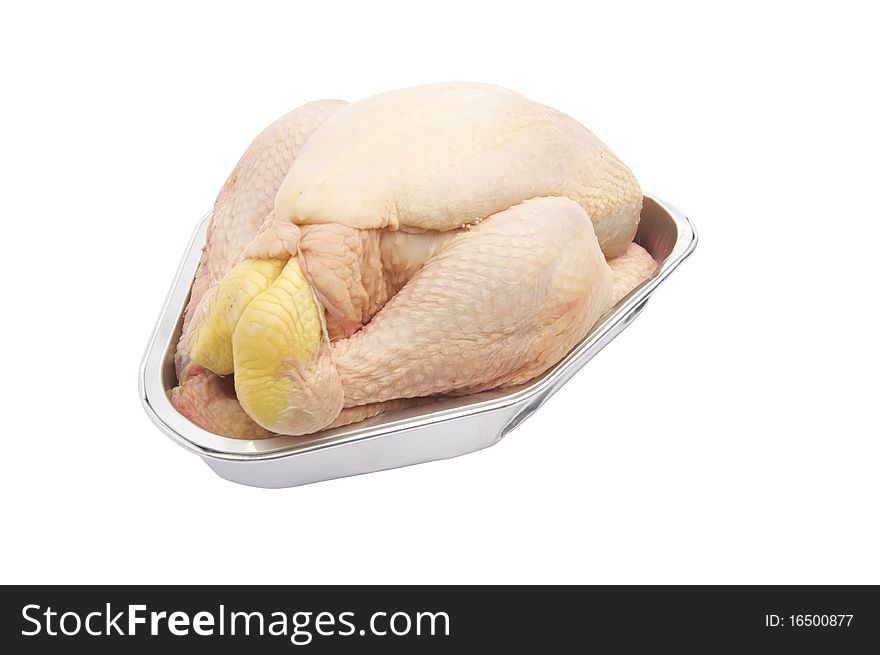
{"x": 447, "y": 428}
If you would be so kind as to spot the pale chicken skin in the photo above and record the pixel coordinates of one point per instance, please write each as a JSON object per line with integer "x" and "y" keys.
{"x": 437, "y": 240}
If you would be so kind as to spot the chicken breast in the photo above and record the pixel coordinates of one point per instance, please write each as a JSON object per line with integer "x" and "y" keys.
{"x": 442, "y": 239}
{"x": 439, "y": 156}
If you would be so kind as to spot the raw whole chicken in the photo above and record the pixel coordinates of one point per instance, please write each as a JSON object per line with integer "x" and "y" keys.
{"x": 436, "y": 240}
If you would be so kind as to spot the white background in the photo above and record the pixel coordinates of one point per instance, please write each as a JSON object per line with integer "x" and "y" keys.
{"x": 729, "y": 436}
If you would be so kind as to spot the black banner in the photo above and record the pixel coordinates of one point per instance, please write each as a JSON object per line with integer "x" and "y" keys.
{"x": 438, "y": 619}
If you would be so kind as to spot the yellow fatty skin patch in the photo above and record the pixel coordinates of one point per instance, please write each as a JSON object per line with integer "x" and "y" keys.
{"x": 211, "y": 342}
{"x": 279, "y": 336}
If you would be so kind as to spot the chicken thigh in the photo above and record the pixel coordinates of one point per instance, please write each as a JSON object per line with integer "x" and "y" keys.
{"x": 443, "y": 239}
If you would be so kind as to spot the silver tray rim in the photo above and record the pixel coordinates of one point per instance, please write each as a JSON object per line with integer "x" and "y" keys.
{"x": 155, "y": 397}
